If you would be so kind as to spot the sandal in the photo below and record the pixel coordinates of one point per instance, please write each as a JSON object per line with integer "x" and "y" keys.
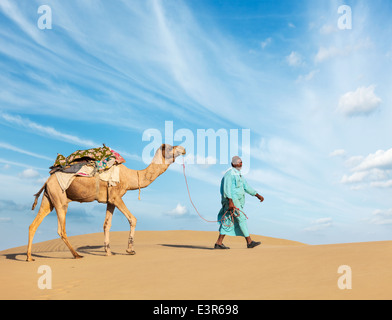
{"x": 253, "y": 244}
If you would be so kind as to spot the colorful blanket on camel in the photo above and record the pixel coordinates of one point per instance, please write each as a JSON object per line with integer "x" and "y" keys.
{"x": 103, "y": 158}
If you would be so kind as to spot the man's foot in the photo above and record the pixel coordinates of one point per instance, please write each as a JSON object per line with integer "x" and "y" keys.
{"x": 254, "y": 244}
{"x": 220, "y": 246}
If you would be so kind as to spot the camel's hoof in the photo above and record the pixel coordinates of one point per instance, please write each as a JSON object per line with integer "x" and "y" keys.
{"x": 78, "y": 257}
{"x": 30, "y": 259}
{"x": 131, "y": 252}
{"x": 108, "y": 254}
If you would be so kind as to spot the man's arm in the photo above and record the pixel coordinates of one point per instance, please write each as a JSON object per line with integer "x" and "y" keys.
{"x": 251, "y": 191}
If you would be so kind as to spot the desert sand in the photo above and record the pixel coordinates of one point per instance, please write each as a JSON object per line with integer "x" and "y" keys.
{"x": 181, "y": 265}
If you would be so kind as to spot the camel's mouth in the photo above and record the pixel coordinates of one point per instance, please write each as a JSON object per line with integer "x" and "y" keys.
{"x": 180, "y": 151}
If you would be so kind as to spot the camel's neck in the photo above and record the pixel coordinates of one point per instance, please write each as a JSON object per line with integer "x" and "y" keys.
{"x": 149, "y": 174}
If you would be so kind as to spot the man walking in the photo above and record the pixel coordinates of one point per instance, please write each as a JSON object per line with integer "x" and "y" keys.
{"x": 233, "y": 221}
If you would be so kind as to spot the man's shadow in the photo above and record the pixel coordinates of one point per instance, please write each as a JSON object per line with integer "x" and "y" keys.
{"x": 185, "y": 246}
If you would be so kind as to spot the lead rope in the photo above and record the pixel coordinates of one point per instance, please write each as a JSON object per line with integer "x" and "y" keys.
{"x": 222, "y": 220}
{"x": 138, "y": 184}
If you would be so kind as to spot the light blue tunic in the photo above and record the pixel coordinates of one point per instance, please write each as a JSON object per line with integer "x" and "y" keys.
{"x": 233, "y": 186}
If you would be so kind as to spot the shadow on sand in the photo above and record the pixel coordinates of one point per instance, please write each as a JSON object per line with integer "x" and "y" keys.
{"x": 21, "y": 256}
{"x": 92, "y": 250}
{"x": 185, "y": 246}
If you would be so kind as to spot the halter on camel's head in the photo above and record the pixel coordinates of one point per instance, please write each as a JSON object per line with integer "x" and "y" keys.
{"x": 167, "y": 154}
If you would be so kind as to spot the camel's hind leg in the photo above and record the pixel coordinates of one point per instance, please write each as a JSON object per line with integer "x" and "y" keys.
{"x": 44, "y": 210}
{"x": 106, "y": 227}
{"x": 61, "y": 212}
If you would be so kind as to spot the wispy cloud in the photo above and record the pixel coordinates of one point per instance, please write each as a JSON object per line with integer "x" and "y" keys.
{"x": 46, "y": 131}
{"x": 338, "y": 153}
{"x": 5, "y": 145}
{"x": 319, "y": 224}
{"x": 265, "y": 43}
{"x": 52, "y": 133}
{"x": 331, "y": 52}
{"x": 307, "y": 77}
{"x": 294, "y": 59}
{"x": 327, "y": 29}
{"x": 9, "y": 163}
{"x": 12, "y": 11}
{"x": 381, "y": 217}
{"x": 162, "y": 67}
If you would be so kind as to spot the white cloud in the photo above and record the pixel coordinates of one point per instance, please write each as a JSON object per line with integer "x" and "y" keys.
{"x": 359, "y": 102}
{"x": 200, "y": 160}
{"x": 324, "y": 53}
{"x": 29, "y": 174}
{"x": 179, "y": 211}
{"x": 307, "y": 77}
{"x": 338, "y": 153}
{"x": 353, "y": 161}
{"x": 382, "y": 184}
{"x": 381, "y": 217}
{"x": 374, "y": 170}
{"x": 355, "y": 177}
{"x": 327, "y": 53}
{"x": 266, "y": 43}
{"x": 380, "y": 159}
{"x": 362, "y": 176}
{"x": 319, "y": 224}
{"x": 328, "y": 29}
{"x": 294, "y": 59}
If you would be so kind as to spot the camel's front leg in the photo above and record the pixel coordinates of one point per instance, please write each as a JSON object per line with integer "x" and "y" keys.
{"x": 106, "y": 227}
{"x": 61, "y": 213}
{"x": 119, "y": 203}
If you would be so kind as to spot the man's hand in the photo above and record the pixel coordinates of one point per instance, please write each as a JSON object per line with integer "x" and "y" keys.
{"x": 231, "y": 205}
{"x": 232, "y": 208}
{"x": 259, "y": 197}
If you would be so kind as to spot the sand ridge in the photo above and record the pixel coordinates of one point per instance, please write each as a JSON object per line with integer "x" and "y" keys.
{"x": 182, "y": 265}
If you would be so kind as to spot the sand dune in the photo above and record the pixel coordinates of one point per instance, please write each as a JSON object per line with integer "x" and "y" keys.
{"x": 182, "y": 265}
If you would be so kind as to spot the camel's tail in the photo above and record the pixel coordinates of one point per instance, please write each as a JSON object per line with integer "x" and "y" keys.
{"x": 37, "y": 196}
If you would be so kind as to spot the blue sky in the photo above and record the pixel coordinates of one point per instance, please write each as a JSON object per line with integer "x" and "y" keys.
{"x": 315, "y": 97}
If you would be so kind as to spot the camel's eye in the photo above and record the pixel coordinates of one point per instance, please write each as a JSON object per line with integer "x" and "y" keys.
{"x": 168, "y": 151}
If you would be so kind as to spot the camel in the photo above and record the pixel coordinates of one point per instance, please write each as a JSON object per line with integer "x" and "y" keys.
{"x": 88, "y": 189}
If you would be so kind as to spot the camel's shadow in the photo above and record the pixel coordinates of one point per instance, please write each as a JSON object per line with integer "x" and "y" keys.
{"x": 84, "y": 250}
{"x": 95, "y": 251}
{"x": 98, "y": 251}
{"x": 21, "y": 256}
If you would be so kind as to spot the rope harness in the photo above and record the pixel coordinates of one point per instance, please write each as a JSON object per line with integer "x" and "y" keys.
{"x": 138, "y": 183}
{"x": 231, "y": 214}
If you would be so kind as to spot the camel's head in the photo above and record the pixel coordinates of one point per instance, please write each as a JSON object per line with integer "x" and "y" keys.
{"x": 169, "y": 153}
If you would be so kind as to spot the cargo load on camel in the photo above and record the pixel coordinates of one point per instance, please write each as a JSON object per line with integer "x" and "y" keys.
{"x": 100, "y": 162}
{"x": 100, "y": 158}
